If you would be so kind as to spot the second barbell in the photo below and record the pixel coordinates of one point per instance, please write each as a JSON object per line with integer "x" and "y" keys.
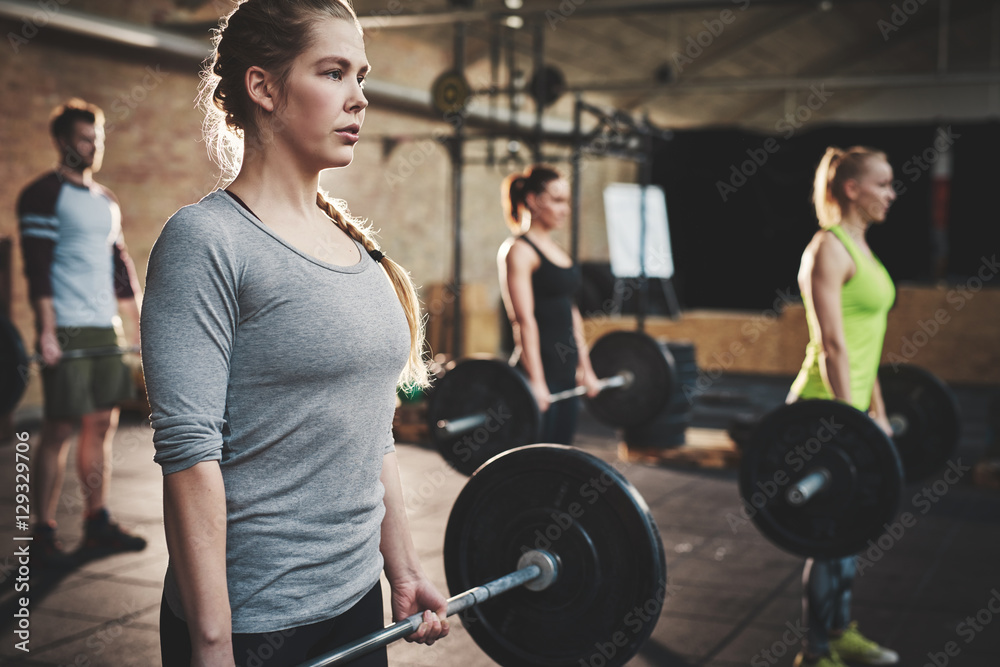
{"x": 483, "y": 407}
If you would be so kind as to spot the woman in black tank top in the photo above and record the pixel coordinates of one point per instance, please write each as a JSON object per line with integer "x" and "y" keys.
{"x": 538, "y": 282}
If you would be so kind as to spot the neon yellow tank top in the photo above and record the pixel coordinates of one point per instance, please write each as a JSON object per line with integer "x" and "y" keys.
{"x": 865, "y": 300}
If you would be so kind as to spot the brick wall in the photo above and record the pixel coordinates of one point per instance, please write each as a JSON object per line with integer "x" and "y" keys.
{"x": 156, "y": 163}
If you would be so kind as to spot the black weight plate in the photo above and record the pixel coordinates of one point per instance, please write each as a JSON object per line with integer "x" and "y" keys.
{"x": 682, "y": 351}
{"x": 547, "y": 85}
{"x": 664, "y": 431}
{"x": 862, "y": 497}
{"x": 612, "y": 578}
{"x": 652, "y": 367}
{"x": 14, "y": 366}
{"x": 450, "y": 92}
{"x": 928, "y": 410}
{"x": 483, "y": 385}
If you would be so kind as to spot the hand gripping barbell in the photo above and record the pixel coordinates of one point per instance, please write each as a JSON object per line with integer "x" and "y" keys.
{"x": 590, "y": 568}
{"x": 536, "y": 571}
{"x": 462, "y": 425}
{"x": 482, "y": 407}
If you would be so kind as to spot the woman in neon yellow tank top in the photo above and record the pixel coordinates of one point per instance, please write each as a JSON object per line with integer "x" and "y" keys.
{"x": 847, "y": 294}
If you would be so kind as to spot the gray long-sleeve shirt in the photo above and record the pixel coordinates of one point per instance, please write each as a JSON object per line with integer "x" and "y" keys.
{"x": 282, "y": 368}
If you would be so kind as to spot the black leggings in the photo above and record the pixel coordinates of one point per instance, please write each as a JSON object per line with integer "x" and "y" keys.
{"x": 826, "y": 599}
{"x": 284, "y": 648}
{"x": 559, "y": 422}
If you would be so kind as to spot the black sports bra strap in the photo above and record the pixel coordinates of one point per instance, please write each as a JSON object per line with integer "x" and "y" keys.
{"x": 535, "y": 248}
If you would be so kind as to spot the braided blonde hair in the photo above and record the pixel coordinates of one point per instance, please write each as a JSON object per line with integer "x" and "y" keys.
{"x": 415, "y": 373}
{"x": 271, "y": 34}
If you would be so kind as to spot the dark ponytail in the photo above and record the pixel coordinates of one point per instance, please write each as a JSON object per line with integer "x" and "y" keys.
{"x": 516, "y": 188}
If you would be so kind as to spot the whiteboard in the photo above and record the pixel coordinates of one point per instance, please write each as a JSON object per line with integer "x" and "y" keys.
{"x": 621, "y": 210}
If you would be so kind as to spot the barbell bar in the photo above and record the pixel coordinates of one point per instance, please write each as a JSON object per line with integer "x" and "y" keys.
{"x": 536, "y": 571}
{"x": 461, "y": 425}
{"x": 90, "y": 352}
{"x": 622, "y": 380}
{"x": 15, "y": 363}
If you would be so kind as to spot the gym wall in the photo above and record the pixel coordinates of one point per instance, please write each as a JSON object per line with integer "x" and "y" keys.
{"x": 155, "y": 161}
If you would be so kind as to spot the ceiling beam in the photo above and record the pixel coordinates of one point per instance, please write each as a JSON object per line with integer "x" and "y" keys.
{"x": 585, "y": 8}
{"x": 780, "y": 84}
{"x": 918, "y": 30}
{"x": 104, "y": 29}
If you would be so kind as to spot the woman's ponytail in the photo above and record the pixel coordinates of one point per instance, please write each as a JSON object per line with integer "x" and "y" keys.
{"x": 827, "y": 207}
{"x": 512, "y": 201}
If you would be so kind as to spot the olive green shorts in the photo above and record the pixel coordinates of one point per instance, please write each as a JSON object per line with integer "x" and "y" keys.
{"x": 77, "y": 387}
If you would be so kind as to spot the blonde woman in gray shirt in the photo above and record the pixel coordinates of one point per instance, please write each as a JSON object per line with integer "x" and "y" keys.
{"x": 274, "y": 336}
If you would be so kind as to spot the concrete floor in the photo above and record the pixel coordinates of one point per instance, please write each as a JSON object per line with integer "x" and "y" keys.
{"x": 732, "y": 595}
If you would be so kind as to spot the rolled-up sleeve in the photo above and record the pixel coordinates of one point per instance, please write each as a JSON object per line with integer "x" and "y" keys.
{"x": 188, "y": 325}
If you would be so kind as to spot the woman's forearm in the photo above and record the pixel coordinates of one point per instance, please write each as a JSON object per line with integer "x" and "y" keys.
{"x": 194, "y": 517}
{"x": 583, "y": 351}
{"x": 530, "y": 343}
{"x": 398, "y": 552}
{"x": 836, "y": 371}
{"x": 877, "y": 407}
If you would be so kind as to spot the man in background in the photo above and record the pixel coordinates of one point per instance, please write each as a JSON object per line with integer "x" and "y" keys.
{"x": 79, "y": 279}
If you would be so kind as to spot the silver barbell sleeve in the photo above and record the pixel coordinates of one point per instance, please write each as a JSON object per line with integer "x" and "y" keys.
{"x": 807, "y": 487}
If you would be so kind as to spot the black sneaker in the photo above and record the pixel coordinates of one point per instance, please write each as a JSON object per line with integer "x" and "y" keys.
{"x": 103, "y": 534}
{"x": 47, "y": 551}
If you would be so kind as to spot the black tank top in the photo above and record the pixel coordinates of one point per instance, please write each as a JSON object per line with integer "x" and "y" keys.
{"x": 554, "y": 288}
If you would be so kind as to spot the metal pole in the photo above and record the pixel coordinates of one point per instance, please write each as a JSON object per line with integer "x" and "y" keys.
{"x": 495, "y": 45}
{"x": 539, "y": 91}
{"x": 645, "y": 175}
{"x": 456, "y": 193}
{"x": 576, "y": 191}
{"x": 511, "y": 44}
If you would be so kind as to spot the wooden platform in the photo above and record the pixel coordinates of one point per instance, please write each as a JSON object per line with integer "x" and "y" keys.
{"x": 703, "y": 448}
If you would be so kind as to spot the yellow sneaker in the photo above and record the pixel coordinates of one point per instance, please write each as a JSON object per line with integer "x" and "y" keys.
{"x": 829, "y": 660}
{"x": 854, "y": 646}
